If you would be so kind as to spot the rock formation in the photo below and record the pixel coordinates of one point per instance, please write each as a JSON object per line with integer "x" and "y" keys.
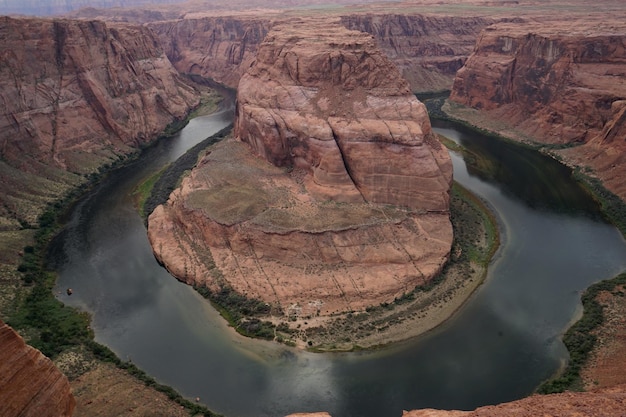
{"x": 221, "y": 48}
{"x": 347, "y": 205}
{"x": 30, "y": 384}
{"x": 600, "y": 403}
{"x": 76, "y": 95}
{"x": 555, "y": 82}
{"x": 428, "y": 50}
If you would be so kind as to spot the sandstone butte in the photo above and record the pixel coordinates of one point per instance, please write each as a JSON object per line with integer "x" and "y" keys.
{"x": 558, "y": 83}
{"x": 30, "y": 384}
{"x": 76, "y": 95}
{"x": 334, "y": 195}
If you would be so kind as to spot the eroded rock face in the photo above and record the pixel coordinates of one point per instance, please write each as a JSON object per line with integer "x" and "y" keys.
{"x": 324, "y": 99}
{"x": 220, "y": 48}
{"x": 30, "y": 384}
{"x": 557, "y": 83}
{"x": 76, "y": 95}
{"x": 428, "y": 50}
{"x": 335, "y": 196}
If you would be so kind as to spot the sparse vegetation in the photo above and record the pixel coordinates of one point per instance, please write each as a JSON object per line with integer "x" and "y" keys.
{"x": 163, "y": 184}
{"x": 49, "y": 325}
{"x": 242, "y": 312}
{"x": 580, "y": 338}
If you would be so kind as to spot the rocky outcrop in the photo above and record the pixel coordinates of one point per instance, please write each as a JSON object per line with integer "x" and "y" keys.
{"x": 347, "y": 205}
{"x": 30, "y": 384}
{"x": 337, "y": 108}
{"x": 76, "y": 95}
{"x": 557, "y": 83}
{"x": 428, "y": 50}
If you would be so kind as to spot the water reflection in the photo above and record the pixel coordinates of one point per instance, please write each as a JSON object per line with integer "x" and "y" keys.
{"x": 521, "y": 173}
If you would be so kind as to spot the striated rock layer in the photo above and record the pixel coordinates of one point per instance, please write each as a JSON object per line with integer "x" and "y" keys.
{"x": 559, "y": 83}
{"x": 326, "y": 100}
{"x": 30, "y": 384}
{"x": 76, "y": 95}
{"x": 221, "y": 48}
{"x": 347, "y": 205}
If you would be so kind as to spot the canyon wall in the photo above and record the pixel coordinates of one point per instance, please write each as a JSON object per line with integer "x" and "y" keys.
{"x": 221, "y": 48}
{"x": 76, "y": 95}
{"x": 427, "y": 49}
{"x": 334, "y": 197}
{"x": 560, "y": 83}
{"x": 30, "y": 384}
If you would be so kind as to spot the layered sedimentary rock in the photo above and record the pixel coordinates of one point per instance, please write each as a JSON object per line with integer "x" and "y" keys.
{"x": 557, "y": 83}
{"x": 337, "y": 196}
{"x": 30, "y": 384}
{"x": 76, "y": 95}
{"x": 221, "y": 48}
{"x": 428, "y": 50}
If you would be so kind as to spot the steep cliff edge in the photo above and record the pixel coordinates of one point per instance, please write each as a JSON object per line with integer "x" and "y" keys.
{"x": 561, "y": 83}
{"x": 76, "y": 95}
{"x": 347, "y": 205}
{"x": 30, "y": 384}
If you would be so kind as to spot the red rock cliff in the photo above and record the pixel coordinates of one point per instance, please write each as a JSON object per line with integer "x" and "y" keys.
{"x": 221, "y": 48}
{"x": 327, "y": 100}
{"x": 428, "y": 50}
{"x": 75, "y": 95}
{"x": 558, "y": 83}
{"x": 30, "y": 384}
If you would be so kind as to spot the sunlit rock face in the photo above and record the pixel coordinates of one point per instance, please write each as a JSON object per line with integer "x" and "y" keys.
{"x": 333, "y": 195}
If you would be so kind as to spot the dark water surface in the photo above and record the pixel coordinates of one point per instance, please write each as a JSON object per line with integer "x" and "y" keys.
{"x": 499, "y": 347}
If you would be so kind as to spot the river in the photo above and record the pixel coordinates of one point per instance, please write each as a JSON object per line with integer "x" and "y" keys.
{"x": 498, "y": 347}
